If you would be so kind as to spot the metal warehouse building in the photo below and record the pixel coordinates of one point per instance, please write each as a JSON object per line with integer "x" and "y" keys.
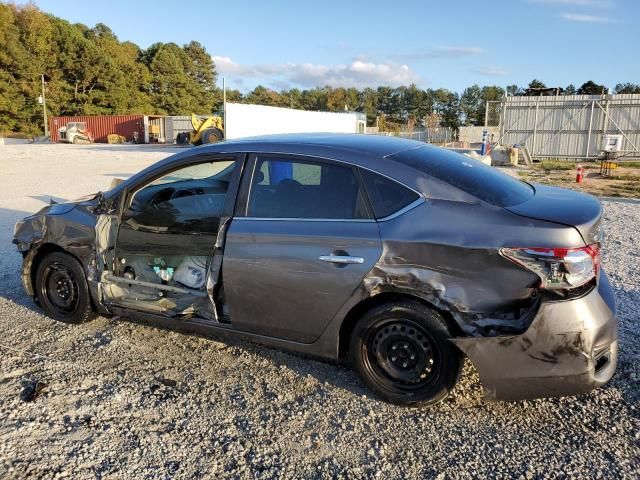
{"x": 569, "y": 126}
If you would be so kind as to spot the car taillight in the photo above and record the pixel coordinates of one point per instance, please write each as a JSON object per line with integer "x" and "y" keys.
{"x": 558, "y": 267}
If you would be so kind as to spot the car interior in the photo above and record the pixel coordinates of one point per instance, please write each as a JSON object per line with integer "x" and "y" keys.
{"x": 175, "y": 219}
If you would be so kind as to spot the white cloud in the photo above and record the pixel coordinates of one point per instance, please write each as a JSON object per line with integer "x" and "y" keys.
{"x": 449, "y": 51}
{"x": 490, "y": 71}
{"x": 358, "y": 73}
{"x": 446, "y": 51}
{"x": 581, "y": 17}
{"x": 576, "y": 3}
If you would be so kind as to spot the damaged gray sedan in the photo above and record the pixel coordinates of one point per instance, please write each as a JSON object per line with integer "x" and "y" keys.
{"x": 394, "y": 256}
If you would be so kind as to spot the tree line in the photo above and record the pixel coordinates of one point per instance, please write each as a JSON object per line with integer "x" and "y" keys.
{"x": 88, "y": 71}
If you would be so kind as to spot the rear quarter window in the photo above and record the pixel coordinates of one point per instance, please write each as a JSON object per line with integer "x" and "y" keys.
{"x": 471, "y": 176}
{"x": 387, "y": 196}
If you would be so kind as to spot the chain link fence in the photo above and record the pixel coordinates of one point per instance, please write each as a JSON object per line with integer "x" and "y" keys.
{"x": 427, "y": 135}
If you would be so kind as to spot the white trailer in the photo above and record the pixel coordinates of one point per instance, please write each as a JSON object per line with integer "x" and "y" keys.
{"x": 243, "y": 120}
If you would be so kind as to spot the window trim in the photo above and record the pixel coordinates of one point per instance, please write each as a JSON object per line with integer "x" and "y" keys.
{"x": 244, "y": 195}
{"x": 418, "y": 201}
{"x": 410, "y": 206}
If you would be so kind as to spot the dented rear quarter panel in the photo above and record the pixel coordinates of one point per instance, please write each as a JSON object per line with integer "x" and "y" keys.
{"x": 448, "y": 252}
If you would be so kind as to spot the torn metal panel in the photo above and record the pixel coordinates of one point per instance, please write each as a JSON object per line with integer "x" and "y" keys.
{"x": 69, "y": 226}
{"x": 146, "y": 291}
{"x": 457, "y": 283}
{"x": 27, "y": 266}
{"x": 215, "y": 266}
{"x": 557, "y": 355}
{"x": 106, "y": 233}
{"x": 159, "y": 299}
{"x": 451, "y": 261}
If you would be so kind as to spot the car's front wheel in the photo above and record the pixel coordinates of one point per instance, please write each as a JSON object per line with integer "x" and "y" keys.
{"x": 402, "y": 352}
{"x": 62, "y": 290}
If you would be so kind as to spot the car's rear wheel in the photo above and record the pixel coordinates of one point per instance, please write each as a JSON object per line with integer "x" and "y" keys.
{"x": 402, "y": 352}
{"x": 61, "y": 287}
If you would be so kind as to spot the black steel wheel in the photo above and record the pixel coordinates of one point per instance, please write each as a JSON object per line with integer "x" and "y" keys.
{"x": 61, "y": 288}
{"x": 402, "y": 353}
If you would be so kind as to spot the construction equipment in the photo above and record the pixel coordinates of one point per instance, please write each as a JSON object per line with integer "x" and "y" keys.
{"x": 205, "y": 130}
{"x": 115, "y": 138}
{"x": 75, "y": 132}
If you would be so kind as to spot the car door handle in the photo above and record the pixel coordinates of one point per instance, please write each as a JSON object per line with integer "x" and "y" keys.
{"x": 341, "y": 259}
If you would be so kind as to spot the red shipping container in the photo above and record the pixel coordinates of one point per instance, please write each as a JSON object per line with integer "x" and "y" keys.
{"x": 102, "y": 125}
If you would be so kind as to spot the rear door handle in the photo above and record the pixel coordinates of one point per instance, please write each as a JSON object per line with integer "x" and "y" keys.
{"x": 341, "y": 259}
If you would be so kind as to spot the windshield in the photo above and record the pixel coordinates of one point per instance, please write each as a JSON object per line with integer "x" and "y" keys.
{"x": 482, "y": 181}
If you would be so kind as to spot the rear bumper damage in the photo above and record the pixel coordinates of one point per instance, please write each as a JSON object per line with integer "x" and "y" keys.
{"x": 571, "y": 347}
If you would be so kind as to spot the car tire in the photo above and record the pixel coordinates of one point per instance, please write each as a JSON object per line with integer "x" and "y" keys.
{"x": 62, "y": 290}
{"x": 211, "y": 135}
{"x": 403, "y": 354}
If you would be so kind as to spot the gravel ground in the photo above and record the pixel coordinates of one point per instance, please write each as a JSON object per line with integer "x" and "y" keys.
{"x": 125, "y": 400}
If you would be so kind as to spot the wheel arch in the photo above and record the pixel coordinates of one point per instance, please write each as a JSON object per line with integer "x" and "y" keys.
{"x": 356, "y": 312}
{"x": 40, "y": 253}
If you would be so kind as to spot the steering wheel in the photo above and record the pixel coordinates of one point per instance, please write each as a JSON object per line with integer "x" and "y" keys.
{"x": 181, "y": 194}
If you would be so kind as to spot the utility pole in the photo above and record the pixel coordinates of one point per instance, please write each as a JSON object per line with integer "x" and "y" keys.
{"x": 486, "y": 113}
{"x": 224, "y": 106}
{"x": 44, "y": 109}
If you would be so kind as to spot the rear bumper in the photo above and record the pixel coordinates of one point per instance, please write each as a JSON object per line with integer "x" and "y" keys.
{"x": 571, "y": 347}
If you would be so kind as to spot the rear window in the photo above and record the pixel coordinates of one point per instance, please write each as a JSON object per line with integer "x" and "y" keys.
{"x": 471, "y": 176}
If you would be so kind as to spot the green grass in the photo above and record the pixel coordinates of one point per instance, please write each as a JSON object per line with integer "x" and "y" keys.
{"x": 557, "y": 165}
{"x": 629, "y": 189}
{"x": 629, "y": 164}
{"x": 625, "y": 176}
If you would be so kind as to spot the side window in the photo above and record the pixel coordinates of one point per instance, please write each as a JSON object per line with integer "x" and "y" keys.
{"x": 284, "y": 188}
{"x": 387, "y": 196}
{"x": 188, "y": 200}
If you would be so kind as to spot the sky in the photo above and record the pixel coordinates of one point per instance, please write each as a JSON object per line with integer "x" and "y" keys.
{"x": 432, "y": 43}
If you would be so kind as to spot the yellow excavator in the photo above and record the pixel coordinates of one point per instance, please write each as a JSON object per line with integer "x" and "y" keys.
{"x": 205, "y": 130}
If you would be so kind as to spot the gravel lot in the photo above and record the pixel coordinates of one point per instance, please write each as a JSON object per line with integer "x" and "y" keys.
{"x": 125, "y": 400}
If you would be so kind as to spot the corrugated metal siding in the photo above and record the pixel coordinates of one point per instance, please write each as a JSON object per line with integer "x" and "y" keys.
{"x": 175, "y": 125}
{"x": 473, "y": 134}
{"x": 103, "y": 125}
{"x": 565, "y": 126}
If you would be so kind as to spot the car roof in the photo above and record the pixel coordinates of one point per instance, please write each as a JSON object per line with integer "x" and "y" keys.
{"x": 375, "y": 145}
{"x": 373, "y": 152}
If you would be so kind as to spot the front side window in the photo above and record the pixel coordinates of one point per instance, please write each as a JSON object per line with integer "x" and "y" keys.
{"x": 188, "y": 200}
{"x": 305, "y": 189}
